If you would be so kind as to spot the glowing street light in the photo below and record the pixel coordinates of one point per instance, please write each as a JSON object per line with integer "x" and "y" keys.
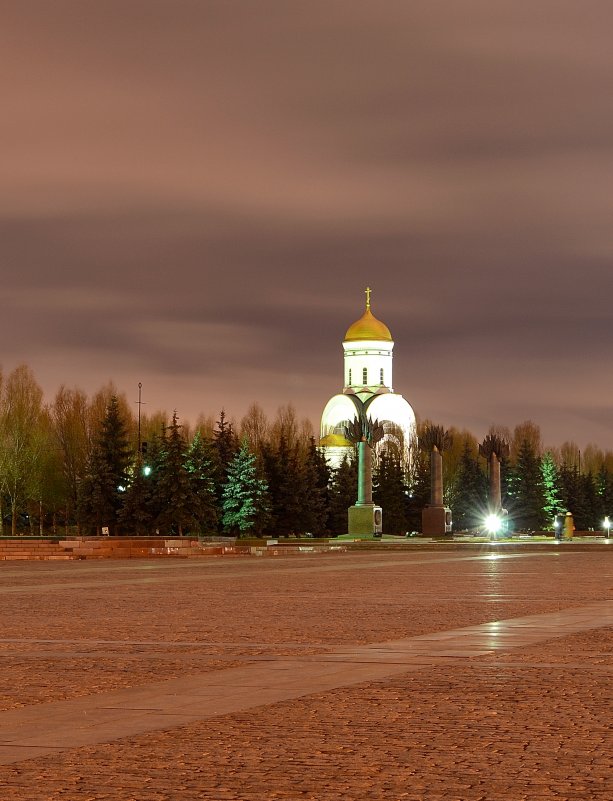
{"x": 493, "y": 524}
{"x": 607, "y": 524}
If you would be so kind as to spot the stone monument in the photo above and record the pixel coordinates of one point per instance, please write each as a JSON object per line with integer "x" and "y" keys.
{"x": 435, "y": 517}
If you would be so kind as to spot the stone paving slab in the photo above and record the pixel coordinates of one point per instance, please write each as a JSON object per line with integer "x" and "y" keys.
{"x": 417, "y": 737}
{"x": 252, "y": 608}
{"x": 529, "y": 722}
{"x": 109, "y": 716}
{"x": 282, "y": 565}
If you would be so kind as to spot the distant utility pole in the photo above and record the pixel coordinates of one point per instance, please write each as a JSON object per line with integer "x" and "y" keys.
{"x": 140, "y": 403}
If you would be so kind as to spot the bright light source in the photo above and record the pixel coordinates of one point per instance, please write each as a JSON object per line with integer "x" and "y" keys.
{"x": 146, "y": 470}
{"x": 493, "y": 524}
{"x": 121, "y": 488}
{"x": 606, "y": 523}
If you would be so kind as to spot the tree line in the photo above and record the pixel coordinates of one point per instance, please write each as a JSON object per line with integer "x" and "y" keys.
{"x": 88, "y": 465}
{"x": 538, "y": 483}
{"x": 81, "y": 464}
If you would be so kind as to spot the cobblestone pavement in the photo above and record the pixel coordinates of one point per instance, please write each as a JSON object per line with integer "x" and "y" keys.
{"x": 530, "y": 722}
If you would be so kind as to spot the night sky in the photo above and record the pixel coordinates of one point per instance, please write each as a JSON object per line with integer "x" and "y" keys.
{"x": 194, "y": 195}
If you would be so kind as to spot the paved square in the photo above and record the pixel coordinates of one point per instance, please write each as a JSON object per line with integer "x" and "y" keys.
{"x": 437, "y": 672}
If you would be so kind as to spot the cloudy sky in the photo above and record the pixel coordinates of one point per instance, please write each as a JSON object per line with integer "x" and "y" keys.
{"x": 195, "y": 193}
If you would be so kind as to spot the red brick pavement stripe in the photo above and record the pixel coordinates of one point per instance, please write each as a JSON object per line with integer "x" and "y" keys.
{"x": 44, "y": 729}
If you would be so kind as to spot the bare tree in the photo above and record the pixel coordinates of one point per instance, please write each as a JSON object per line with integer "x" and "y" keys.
{"x": 21, "y": 438}
{"x": 570, "y": 455}
{"x": 69, "y": 415}
{"x": 255, "y": 428}
{"x": 526, "y": 432}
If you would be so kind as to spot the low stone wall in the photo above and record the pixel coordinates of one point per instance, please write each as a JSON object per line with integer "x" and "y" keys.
{"x": 130, "y": 547}
{"x": 31, "y": 549}
{"x": 102, "y": 548}
{"x": 28, "y": 548}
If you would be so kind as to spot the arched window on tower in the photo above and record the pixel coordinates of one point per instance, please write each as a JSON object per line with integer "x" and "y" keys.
{"x": 364, "y": 376}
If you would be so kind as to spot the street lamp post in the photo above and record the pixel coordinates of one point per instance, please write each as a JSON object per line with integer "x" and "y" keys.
{"x": 607, "y": 524}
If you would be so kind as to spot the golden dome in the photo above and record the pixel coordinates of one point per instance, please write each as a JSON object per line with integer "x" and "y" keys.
{"x": 335, "y": 441}
{"x": 368, "y": 327}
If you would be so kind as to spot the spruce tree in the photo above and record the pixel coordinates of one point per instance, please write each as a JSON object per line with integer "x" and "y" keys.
{"x": 589, "y": 517}
{"x": 173, "y": 486}
{"x": 199, "y": 464}
{"x": 343, "y": 494}
{"x": 106, "y": 480}
{"x": 573, "y": 494}
{"x": 551, "y": 489}
{"x": 418, "y": 494}
{"x": 316, "y": 481}
{"x": 135, "y": 515}
{"x": 244, "y": 495}
{"x": 225, "y": 446}
{"x": 470, "y": 492}
{"x": 285, "y": 487}
{"x": 226, "y": 443}
{"x": 155, "y": 453}
{"x": 506, "y": 472}
{"x": 528, "y": 496}
{"x": 390, "y": 492}
{"x": 604, "y": 484}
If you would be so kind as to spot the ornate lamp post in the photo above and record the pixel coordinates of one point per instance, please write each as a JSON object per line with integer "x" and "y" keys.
{"x": 364, "y": 518}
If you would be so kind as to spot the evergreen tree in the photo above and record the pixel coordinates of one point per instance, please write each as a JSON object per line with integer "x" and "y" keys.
{"x": 573, "y": 493}
{"x": 173, "y": 486}
{"x": 102, "y": 490}
{"x": 285, "y": 487}
{"x": 470, "y": 492}
{"x": 343, "y": 494}
{"x": 316, "y": 481}
{"x": 528, "y": 496}
{"x": 244, "y": 495}
{"x": 152, "y": 466}
{"x": 226, "y": 443}
{"x": 199, "y": 464}
{"x": 589, "y": 518}
{"x": 418, "y": 494}
{"x": 604, "y": 484}
{"x": 390, "y": 492}
{"x": 506, "y": 472}
{"x": 551, "y": 489}
{"x": 135, "y": 515}
{"x": 225, "y": 446}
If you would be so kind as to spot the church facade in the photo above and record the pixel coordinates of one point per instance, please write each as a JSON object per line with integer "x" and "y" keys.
{"x": 368, "y": 389}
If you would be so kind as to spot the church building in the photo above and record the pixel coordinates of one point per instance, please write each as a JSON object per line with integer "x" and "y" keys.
{"x": 368, "y": 387}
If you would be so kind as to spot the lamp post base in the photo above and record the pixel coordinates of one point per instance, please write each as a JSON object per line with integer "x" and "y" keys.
{"x": 365, "y": 520}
